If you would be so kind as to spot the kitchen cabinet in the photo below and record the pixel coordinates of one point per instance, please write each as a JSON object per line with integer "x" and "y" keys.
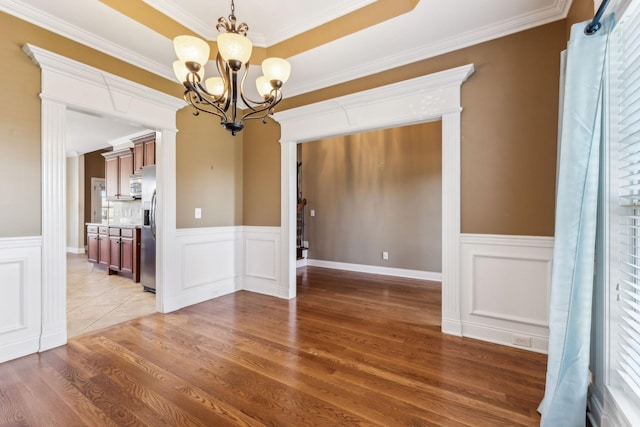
{"x": 118, "y": 171}
{"x": 144, "y": 152}
{"x": 124, "y": 251}
{"x": 98, "y": 244}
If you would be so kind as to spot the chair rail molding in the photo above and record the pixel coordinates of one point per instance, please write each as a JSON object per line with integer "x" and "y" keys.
{"x": 432, "y": 97}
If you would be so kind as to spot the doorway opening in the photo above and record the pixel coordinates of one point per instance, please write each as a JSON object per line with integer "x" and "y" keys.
{"x": 431, "y": 97}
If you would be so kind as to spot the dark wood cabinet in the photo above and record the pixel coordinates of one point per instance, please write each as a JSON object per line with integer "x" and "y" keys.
{"x": 122, "y": 249}
{"x": 118, "y": 171}
{"x": 144, "y": 151}
{"x": 98, "y": 244}
{"x": 92, "y": 243}
{"x": 103, "y": 246}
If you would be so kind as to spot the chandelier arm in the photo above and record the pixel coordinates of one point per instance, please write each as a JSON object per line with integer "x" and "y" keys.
{"x": 269, "y": 108}
{"x": 196, "y": 102}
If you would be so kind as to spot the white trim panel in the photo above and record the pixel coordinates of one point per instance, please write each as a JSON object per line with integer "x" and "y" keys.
{"x": 208, "y": 266}
{"x": 20, "y": 290}
{"x": 374, "y": 269}
{"x": 262, "y": 260}
{"x": 505, "y": 288}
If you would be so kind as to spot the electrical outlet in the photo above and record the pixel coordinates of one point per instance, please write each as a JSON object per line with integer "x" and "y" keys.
{"x": 521, "y": 340}
{"x": 385, "y": 255}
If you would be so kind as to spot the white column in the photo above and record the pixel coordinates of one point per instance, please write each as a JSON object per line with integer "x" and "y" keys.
{"x": 451, "y": 317}
{"x": 54, "y": 275}
{"x": 288, "y": 173}
{"x": 167, "y": 284}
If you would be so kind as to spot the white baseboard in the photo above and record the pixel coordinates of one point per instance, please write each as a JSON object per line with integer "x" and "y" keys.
{"x": 373, "y": 269}
{"x": 302, "y": 262}
{"x": 78, "y": 251}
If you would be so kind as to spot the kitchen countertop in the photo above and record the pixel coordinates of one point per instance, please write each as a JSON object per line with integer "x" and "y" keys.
{"x": 99, "y": 224}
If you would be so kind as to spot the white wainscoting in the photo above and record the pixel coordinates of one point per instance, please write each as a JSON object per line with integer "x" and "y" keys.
{"x": 261, "y": 271}
{"x": 505, "y": 288}
{"x": 20, "y": 296}
{"x": 374, "y": 269}
{"x": 209, "y": 260}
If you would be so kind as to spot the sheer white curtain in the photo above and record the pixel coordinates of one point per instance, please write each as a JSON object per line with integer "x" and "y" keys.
{"x": 564, "y": 403}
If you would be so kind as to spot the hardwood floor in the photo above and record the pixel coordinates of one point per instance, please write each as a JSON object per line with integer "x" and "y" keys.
{"x": 351, "y": 349}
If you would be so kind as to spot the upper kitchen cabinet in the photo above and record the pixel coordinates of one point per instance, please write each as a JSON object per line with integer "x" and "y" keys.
{"x": 144, "y": 151}
{"x": 118, "y": 170}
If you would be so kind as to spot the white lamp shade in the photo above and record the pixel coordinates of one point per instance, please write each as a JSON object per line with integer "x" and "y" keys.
{"x": 264, "y": 86}
{"x": 234, "y": 46}
{"x": 215, "y": 86}
{"x": 191, "y": 49}
{"x": 181, "y": 71}
{"x": 276, "y": 69}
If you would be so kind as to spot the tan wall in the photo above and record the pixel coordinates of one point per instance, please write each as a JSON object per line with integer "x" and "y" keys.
{"x": 509, "y": 128}
{"x": 373, "y": 192}
{"x": 20, "y": 171}
{"x": 580, "y": 11}
{"x": 209, "y": 172}
{"x": 20, "y": 200}
{"x": 261, "y": 183}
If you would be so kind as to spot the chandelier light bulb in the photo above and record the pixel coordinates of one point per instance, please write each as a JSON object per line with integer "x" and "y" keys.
{"x": 233, "y": 46}
{"x": 264, "y": 86}
{"x": 215, "y": 86}
{"x": 191, "y": 49}
{"x": 276, "y": 69}
{"x": 181, "y": 71}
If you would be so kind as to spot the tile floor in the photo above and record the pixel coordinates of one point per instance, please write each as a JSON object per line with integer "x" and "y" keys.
{"x": 96, "y": 300}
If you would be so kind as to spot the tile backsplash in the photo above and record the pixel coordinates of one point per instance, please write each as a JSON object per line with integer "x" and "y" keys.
{"x": 125, "y": 212}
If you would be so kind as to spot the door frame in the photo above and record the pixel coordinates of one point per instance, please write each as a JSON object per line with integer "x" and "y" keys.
{"x": 69, "y": 84}
{"x": 422, "y": 99}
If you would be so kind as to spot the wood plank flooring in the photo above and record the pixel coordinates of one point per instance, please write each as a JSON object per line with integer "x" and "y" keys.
{"x": 351, "y": 349}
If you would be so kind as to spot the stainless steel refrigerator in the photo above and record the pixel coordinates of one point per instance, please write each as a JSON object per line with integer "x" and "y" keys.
{"x": 148, "y": 234}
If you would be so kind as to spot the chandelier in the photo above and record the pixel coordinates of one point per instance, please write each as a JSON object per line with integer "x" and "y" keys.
{"x": 220, "y": 95}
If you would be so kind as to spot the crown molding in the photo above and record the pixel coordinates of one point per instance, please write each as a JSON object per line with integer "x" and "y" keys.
{"x": 171, "y": 9}
{"x": 553, "y": 13}
{"x": 48, "y": 22}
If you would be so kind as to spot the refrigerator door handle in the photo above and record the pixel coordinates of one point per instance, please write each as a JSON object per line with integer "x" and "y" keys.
{"x": 152, "y": 215}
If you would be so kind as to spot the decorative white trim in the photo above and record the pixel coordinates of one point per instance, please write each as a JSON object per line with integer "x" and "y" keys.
{"x": 505, "y": 284}
{"x": 438, "y": 96}
{"x": 261, "y": 260}
{"x": 68, "y": 83}
{"x": 558, "y": 10}
{"x": 21, "y": 290}
{"x": 208, "y": 267}
{"x": 421, "y": 52}
{"x": 44, "y": 20}
{"x": 595, "y": 408}
{"x": 204, "y": 29}
{"x": 619, "y": 410}
{"x": 374, "y": 269}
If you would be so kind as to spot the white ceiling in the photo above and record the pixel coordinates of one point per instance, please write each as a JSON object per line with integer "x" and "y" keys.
{"x": 434, "y": 27}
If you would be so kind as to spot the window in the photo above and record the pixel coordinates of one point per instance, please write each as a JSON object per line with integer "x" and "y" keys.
{"x": 624, "y": 132}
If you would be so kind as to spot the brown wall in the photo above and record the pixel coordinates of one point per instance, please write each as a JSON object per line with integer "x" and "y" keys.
{"x": 373, "y": 192}
{"x": 20, "y": 201}
{"x": 93, "y": 167}
{"x": 209, "y": 172}
{"x": 580, "y": 11}
{"x": 261, "y": 169}
{"x": 218, "y": 192}
{"x": 509, "y": 128}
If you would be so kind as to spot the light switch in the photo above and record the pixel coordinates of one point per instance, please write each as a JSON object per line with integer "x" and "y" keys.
{"x": 198, "y": 213}
{"x": 313, "y": 212}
